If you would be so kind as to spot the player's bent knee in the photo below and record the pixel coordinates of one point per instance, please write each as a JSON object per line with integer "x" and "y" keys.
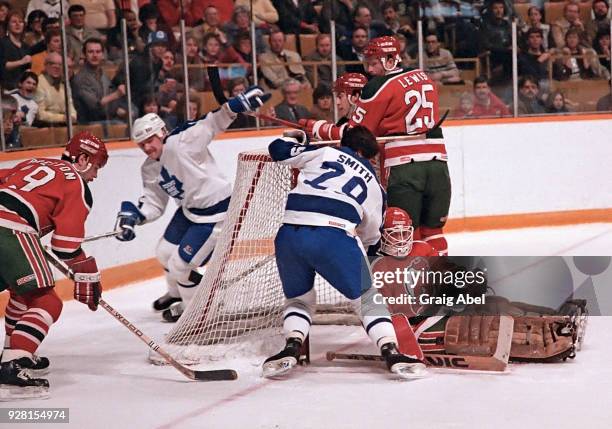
{"x": 46, "y": 299}
{"x": 164, "y": 251}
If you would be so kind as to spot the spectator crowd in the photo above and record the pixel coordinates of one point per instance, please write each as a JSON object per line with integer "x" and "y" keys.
{"x": 467, "y": 48}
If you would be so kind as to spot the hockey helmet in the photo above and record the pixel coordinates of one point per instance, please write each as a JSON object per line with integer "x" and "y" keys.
{"x": 397, "y": 233}
{"x": 147, "y": 126}
{"x": 384, "y": 48}
{"x": 86, "y": 143}
{"x": 349, "y": 83}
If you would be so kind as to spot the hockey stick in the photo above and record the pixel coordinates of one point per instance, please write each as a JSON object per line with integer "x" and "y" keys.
{"x": 212, "y": 375}
{"x": 498, "y": 362}
{"x": 100, "y": 236}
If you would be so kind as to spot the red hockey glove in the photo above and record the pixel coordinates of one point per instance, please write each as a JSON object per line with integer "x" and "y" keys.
{"x": 87, "y": 287}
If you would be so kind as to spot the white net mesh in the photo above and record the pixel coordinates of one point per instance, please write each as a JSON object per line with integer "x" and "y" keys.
{"x": 239, "y": 303}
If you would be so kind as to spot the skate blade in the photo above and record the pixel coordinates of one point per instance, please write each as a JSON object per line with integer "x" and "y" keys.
{"x": 13, "y": 393}
{"x": 279, "y": 368}
{"x": 410, "y": 371}
{"x": 37, "y": 373}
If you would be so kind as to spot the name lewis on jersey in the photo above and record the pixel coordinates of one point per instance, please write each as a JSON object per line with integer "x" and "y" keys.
{"x": 171, "y": 185}
{"x": 356, "y": 166}
{"x": 412, "y": 78}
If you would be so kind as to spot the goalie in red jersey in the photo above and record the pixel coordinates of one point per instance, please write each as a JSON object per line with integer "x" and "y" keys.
{"x": 403, "y": 103}
{"x": 39, "y": 196}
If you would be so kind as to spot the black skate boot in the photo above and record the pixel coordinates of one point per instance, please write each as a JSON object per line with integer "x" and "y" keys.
{"x": 17, "y": 383}
{"x": 173, "y": 313}
{"x": 402, "y": 365}
{"x": 281, "y": 363}
{"x": 164, "y": 302}
{"x": 40, "y": 367}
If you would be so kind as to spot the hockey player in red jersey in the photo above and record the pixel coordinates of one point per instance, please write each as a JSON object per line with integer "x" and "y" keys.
{"x": 404, "y": 103}
{"x": 37, "y": 197}
{"x": 348, "y": 89}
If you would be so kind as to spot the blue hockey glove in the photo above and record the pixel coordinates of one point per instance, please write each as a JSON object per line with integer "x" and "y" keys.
{"x": 249, "y": 101}
{"x": 128, "y": 217}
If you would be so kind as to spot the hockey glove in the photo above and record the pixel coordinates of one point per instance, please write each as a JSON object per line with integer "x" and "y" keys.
{"x": 299, "y": 136}
{"x": 128, "y": 217}
{"x": 313, "y": 128}
{"x": 250, "y": 100}
{"x": 87, "y": 287}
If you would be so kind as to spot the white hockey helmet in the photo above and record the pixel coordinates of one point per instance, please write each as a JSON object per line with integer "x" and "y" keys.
{"x": 147, "y": 126}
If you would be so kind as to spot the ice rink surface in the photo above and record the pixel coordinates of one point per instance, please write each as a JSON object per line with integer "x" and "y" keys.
{"x": 100, "y": 371}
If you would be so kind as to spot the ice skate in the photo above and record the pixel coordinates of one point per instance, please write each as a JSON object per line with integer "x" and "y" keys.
{"x": 16, "y": 381}
{"x": 402, "y": 365}
{"x": 281, "y": 363}
{"x": 164, "y": 302}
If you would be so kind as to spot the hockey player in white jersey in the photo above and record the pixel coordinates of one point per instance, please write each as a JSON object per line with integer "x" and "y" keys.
{"x": 181, "y": 166}
{"x": 331, "y": 216}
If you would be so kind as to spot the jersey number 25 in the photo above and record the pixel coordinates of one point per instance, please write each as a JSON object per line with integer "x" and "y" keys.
{"x": 421, "y": 110}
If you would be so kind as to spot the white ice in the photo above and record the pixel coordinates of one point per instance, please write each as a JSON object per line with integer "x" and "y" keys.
{"x": 100, "y": 371}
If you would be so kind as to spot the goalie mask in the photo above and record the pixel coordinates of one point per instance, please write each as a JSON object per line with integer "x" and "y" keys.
{"x": 397, "y": 236}
{"x": 149, "y": 125}
{"x": 86, "y": 143}
{"x": 386, "y": 49}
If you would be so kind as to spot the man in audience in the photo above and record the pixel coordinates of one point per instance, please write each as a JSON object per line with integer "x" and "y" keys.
{"x": 363, "y": 16}
{"x": 439, "y": 63}
{"x": 322, "y": 53}
{"x": 211, "y": 24}
{"x": 24, "y": 95}
{"x": 600, "y": 22}
{"x": 571, "y": 19}
{"x": 135, "y": 42}
{"x": 101, "y": 14}
{"x": 77, "y": 32}
{"x": 496, "y": 37}
{"x": 486, "y": 103}
{"x": 529, "y": 101}
{"x": 296, "y": 16}
{"x": 53, "y": 39}
{"x": 392, "y": 21}
{"x": 354, "y": 50}
{"x": 93, "y": 97}
{"x": 289, "y": 109}
{"x": 280, "y": 64}
{"x": 9, "y": 108}
{"x": 534, "y": 60}
{"x": 146, "y": 67}
{"x": 50, "y": 94}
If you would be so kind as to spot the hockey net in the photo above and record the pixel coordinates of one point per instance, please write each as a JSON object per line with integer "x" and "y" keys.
{"x": 237, "y": 309}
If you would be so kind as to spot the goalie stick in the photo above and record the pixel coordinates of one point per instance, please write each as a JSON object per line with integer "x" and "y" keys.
{"x": 498, "y": 362}
{"x": 210, "y": 375}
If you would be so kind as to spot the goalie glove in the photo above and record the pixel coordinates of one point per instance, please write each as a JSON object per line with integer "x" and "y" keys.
{"x": 87, "y": 287}
{"x": 128, "y": 217}
{"x": 250, "y": 100}
{"x": 299, "y": 136}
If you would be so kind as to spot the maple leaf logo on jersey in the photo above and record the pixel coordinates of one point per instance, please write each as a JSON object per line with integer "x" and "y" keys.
{"x": 171, "y": 185}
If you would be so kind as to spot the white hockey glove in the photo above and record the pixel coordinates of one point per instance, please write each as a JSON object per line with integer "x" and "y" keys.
{"x": 250, "y": 100}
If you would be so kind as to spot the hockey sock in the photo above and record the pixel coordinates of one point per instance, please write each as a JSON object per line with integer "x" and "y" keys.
{"x": 375, "y": 318}
{"x": 13, "y": 312}
{"x": 435, "y": 238}
{"x": 172, "y": 285}
{"x": 44, "y": 308}
{"x": 297, "y": 315}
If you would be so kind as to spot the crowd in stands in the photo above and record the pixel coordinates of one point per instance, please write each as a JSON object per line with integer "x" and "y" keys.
{"x": 467, "y": 47}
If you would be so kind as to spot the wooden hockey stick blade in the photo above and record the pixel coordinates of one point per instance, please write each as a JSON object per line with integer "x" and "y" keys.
{"x": 211, "y": 375}
{"x": 100, "y": 236}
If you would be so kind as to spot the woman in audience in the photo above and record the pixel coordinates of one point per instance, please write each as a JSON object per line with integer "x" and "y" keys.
{"x": 211, "y": 54}
{"x": 34, "y": 32}
{"x": 16, "y": 51}
{"x": 576, "y": 61}
{"x": 602, "y": 47}
{"x": 195, "y": 108}
{"x": 5, "y": 8}
{"x": 195, "y": 65}
{"x": 322, "y": 103}
{"x": 534, "y": 20}
{"x": 235, "y": 87}
{"x": 556, "y": 103}
{"x": 465, "y": 109}
{"x": 264, "y": 12}
{"x": 54, "y": 44}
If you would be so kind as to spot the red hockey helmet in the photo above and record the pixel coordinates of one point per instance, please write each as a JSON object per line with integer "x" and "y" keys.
{"x": 397, "y": 233}
{"x": 384, "y": 48}
{"x": 349, "y": 83}
{"x": 87, "y": 143}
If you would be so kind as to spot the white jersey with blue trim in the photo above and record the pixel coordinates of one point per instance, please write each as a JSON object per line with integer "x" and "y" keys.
{"x": 336, "y": 187}
{"x": 188, "y": 172}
